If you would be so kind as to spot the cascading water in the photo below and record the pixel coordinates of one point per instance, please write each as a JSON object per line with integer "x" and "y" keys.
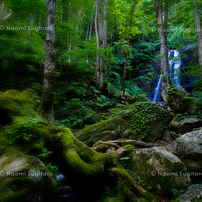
{"x": 157, "y": 91}
{"x": 174, "y": 68}
{"x": 174, "y": 64}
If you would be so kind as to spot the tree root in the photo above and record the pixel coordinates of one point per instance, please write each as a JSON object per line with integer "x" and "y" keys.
{"x": 116, "y": 143}
{"x": 129, "y": 181}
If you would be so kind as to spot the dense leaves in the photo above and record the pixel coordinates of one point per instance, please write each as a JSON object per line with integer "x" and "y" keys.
{"x": 77, "y": 101}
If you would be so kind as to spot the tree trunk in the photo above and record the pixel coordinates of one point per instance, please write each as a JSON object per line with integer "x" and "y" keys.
{"x": 198, "y": 32}
{"x": 162, "y": 16}
{"x": 127, "y": 54}
{"x": 105, "y": 38}
{"x": 4, "y": 13}
{"x": 97, "y": 38}
{"x": 101, "y": 35}
{"x": 47, "y": 111}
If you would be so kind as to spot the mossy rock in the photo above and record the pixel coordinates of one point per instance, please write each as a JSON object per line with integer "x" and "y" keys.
{"x": 193, "y": 194}
{"x": 14, "y": 103}
{"x": 22, "y": 175}
{"x": 180, "y": 102}
{"x": 160, "y": 170}
{"x": 143, "y": 120}
{"x": 112, "y": 128}
{"x": 189, "y": 149}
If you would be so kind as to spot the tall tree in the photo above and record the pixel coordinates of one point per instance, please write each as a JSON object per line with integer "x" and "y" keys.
{"x": 47, "y": 111}
{"x": 162, "y": 17}
{"x": 4, "y": 12}
{"x": 198, "y": 32}
{"x": 127, "y": 52}
{"x": 101, "y": 36}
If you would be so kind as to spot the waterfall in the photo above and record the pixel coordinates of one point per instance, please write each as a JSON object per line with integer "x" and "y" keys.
{"x": 174, "y": 65}
{"x": 174, "y": 68}
{"x": 157, "y": 91}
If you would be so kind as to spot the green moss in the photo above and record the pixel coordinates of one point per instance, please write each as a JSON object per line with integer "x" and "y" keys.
{"x": 16, "y": 104}
{"x": 174, "y": 123}
{"x": 140, "y": 98}
{"x": 153, "y": 178}
{"x": 125, "y": 188}
{"x": 12, "y": 155}
{"x": 21, "y": 187}
{"x": 80, "y": 157}
{"x": 141, "y": 118}
{"x": 180, "y": 102}
{"x": 28, "y": 133}
{"x": 112, "y": 128}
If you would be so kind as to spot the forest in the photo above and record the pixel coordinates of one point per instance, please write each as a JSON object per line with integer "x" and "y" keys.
{"x": 100, "y": 100}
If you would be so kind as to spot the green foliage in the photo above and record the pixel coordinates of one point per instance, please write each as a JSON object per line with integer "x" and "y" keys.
{"x": 81, "y": 116}
{"x": 177, "y": 193}
{"x": 178, "y": 37}
{"x": 124, "y": 160}
{"x": 140, "y": 181}
{"x": 51, "y": 167}
{"x": 140, "y": 116}
{"x": 23, "y": 134}
{"x": 45, "y": 153}
{"x": 63, "y": 122}
{"x": 109, "y": 192}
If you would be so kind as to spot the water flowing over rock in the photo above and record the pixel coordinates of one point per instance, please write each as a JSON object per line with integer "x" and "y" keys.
{"x": 174, "y": 72}
{"x": 174, "y": 65}
{"x": 177, "y": 60}
{"x": 157, "y": 92}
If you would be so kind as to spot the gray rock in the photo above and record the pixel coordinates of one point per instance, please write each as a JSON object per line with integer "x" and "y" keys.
{"x": 195, "y": 129}
{"x": 188, "y": 148}
{"x": 187, "y": 125}
{"x": 160, "y": 170}
{"x": 193, "y": 193}
{"x": 26, "y": 174}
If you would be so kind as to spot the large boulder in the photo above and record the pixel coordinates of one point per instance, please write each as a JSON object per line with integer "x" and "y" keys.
{"x": 21, "y": 176}
{"x": 179, "y": 101}
{"x": 187, "y": 125}
{"x": 188, "y": 148}
{"x": 160, "y": 170}
{"x": 144, "y": 120}
{"x": 193, "y": 194}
